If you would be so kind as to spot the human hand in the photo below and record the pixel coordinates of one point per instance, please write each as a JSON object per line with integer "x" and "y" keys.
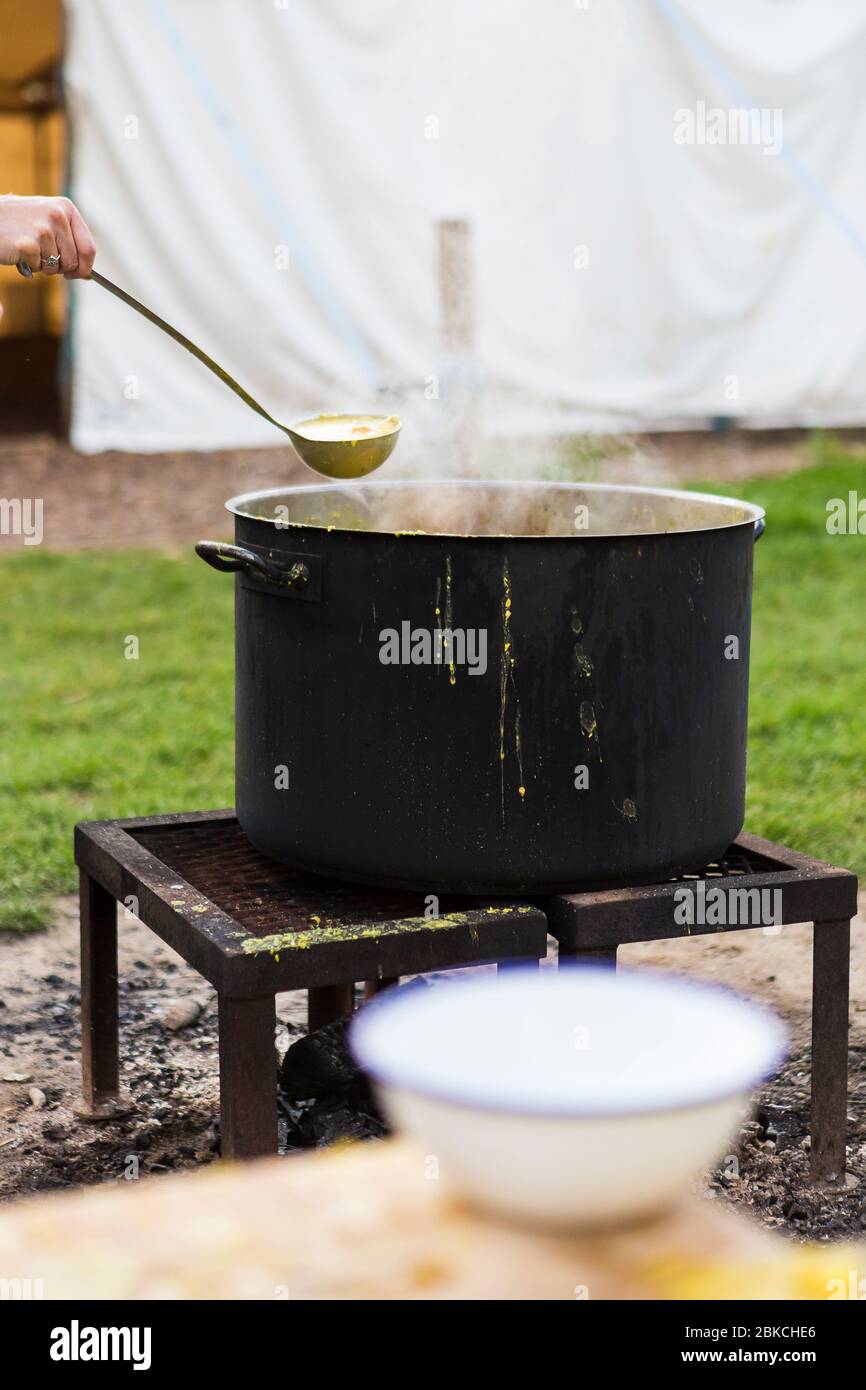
{"x": 34, "y": 231}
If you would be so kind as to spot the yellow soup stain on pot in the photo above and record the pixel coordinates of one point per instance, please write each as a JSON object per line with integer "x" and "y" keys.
{"x": 587, "y": 719}
{"x": 582, "y": 663}
{"x": 503, "y": 681}
{"x": 449, "y": 618}
{"x": 506, "y": 677}
{"x": 517, "y": 744}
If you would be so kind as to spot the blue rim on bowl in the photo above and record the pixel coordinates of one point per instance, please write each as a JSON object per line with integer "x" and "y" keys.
{"x": 383, "y": 1033}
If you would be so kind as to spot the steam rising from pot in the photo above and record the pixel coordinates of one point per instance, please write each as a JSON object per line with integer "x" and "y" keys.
{"x": 467, "y": 507}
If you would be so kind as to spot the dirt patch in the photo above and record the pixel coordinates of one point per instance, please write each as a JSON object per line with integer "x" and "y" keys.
{"x": 118, "y": 500}
{"x": 172, "y": 1075}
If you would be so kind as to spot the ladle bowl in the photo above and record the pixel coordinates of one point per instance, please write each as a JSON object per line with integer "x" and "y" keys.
{"x": 352, "y": 447}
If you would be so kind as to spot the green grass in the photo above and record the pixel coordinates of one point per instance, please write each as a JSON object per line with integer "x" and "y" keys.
{"x": 86, "y": 733}
{"x": 807, "y": 726}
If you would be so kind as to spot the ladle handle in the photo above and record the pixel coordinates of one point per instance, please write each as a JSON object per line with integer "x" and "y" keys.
{"x": 175, "y": 333}
{"x": 186, "y": 343}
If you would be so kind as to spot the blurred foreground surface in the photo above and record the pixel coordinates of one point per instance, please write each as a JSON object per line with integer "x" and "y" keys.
{"x": 368, "y": 1222}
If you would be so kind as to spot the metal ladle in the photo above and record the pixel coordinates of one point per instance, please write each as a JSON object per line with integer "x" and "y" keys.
{"x": 349, "y": 456}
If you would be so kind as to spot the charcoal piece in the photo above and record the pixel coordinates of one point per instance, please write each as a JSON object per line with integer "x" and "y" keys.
{"x": 320, "y": 1064}
{"x": 782, "y": 1125}
{"x": 315, "y": 1123}
{"x": 324, "y": 1097}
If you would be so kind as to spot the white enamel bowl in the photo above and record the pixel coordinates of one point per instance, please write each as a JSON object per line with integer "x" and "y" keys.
{"x": 579, "y": 1097}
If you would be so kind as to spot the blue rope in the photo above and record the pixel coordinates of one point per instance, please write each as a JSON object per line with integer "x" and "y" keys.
{"x": 815, "y": 189}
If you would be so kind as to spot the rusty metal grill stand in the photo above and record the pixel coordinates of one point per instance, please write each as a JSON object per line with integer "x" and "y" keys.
{"x": 254, "y": 928}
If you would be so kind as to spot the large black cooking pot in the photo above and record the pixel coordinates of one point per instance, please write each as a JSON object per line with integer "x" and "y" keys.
{"x": 586, "y": 723}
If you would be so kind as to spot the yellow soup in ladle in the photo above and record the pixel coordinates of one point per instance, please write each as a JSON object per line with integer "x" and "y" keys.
{"x": 345, "y": 446}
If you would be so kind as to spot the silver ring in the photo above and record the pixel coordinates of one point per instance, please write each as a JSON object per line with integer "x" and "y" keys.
{"x": 50, "y": 262}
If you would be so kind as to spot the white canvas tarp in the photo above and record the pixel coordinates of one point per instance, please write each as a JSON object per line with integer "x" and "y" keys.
{"x": 666, "y": 200}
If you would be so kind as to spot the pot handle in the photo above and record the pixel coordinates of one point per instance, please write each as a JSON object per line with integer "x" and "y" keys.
{"x": 222, "y": 556}
{"x": 760, "y": 527}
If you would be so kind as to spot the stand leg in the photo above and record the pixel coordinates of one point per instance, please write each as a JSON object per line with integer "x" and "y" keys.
{"x": 374, "y": 987}
{"x": 830, "y": 972}
{"x": 100, "y": 1092}
{"x": 248, "y": 1077}
{"x": 327, "y": 1003}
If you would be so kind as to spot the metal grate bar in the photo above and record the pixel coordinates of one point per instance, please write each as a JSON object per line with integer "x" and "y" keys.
{"x": 262, "y": 895}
